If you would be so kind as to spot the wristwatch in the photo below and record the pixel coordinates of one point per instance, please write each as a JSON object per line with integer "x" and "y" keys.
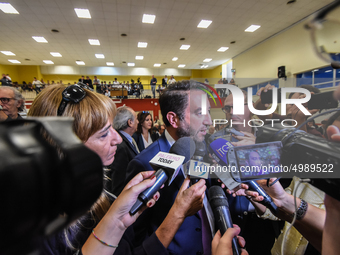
{"x": 301, "y": 211}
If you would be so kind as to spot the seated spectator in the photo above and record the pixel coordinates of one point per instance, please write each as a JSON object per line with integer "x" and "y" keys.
{"x": 5, "y": 81}
{"x": 37, "y": 85}
{"x": 143, "y": 136}
{"x": 11, "y": 102}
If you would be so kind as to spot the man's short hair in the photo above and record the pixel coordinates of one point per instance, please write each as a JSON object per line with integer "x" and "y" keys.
{"x": 17, "y": 96}
{"x": 175, "y": 98}
{"x": 123, "y": 114}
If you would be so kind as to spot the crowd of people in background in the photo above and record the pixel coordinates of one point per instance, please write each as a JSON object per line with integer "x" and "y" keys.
{"x": 141, "y": 133}
{"x": 133, "y": 88}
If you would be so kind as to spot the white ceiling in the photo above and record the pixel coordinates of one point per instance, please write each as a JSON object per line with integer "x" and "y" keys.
{"x": 174, "y": 19}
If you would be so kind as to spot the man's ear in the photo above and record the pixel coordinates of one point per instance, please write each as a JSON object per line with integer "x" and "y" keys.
{"x": 173, "y": 119}
{"x": 129, "y": 122}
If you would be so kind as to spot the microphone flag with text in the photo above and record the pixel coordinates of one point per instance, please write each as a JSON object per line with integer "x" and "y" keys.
{"x": 195, "y": 167}
{"x": 167, "y": 166}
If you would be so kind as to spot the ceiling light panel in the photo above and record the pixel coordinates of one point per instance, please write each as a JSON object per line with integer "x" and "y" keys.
{"x": 56, "y": 54}
{"x": 110, "y": 63}
{"x": 94, "y": 42}
{"x": 204, "y": 23}
{"x": 157, "y": 65}
{"x": 139, "y": 57}
{"x": 81, "y": 63}
{"x": 8, "y": 53}
{"x": 40, "y": 39}
{"x": 14, "y": 61}
{"x": 49, "y": 62}
{"x": 8, "y": 8}
{"x": 99, "y": 55}
{"x": 83, "y": 13}
{"x": 148, "y": 18}
{"x": 252, "y": 28}
{"x": 175, "y": 59}
{"x": 142, "y": 44}
{"x": 223, "y": 49}
{"x": 207, "y": 60}
{"x": 184, "y": 47}
{"x": 131, "y": 64}
{"x": 181, "y": 66}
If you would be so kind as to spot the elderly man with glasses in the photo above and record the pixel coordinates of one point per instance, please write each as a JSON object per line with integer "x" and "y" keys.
{"x": 11, "y": 102}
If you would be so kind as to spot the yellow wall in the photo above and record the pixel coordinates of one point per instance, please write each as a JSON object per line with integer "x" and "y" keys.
{"x": 12, "y": 70}
{"x": 292, "y": 48}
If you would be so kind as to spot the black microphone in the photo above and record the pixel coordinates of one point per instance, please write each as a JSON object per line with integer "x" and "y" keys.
{"x": 167, "y": 166}
{"x": 219, "y": 204}
{"x": 267, "y": 201}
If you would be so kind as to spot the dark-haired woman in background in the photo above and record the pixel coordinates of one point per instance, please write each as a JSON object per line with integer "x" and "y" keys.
{"x": 144, "y": 135}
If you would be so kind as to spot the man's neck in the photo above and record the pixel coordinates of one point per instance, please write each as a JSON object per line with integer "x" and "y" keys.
{"x": 13, "y": 116}
{"x": 172, "y": 132}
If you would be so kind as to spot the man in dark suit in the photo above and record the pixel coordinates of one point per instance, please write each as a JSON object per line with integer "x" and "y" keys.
{"x": 82, "y": 79}
{"x": 184, "y": 114}
{"x": 125, "y": 123}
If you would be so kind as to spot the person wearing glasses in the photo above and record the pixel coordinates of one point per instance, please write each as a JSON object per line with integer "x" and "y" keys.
{"x": 144, "y": 136}
{"x": 11, "y": 102}
{"x": 242, "y": 211}
{"x": 105, "y": 228}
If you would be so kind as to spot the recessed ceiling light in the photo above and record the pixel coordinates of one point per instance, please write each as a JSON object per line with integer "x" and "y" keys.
{"x": 48, "y": 62}
{"x": 204, "y": 66}
{"x": 157, "y": 65}
{"x": 207, "y": 60}
{"x": 110, "y": 63}
{"x": 8, "y": 8}
{"x": 252, "y": 28}
{"x": 80, "y": 63}
{"x": 139, "y": 57}
{"x": 223, "y": 49}
{"x": 83, "y": 13}
{"x": 99, "y": 55}
{"x": 40, "y": 39}
{"x": 55, "y": 30}
{"x": 142, "y": 44}
{"x": 8, "y": 53}
{"x": 182, "y": 39}
{"x": 175, "y": 59}
{"x": 14, "y": 61}
{"x": 148, "y": 18}
{"x": 131, "y": 64}
{"x": 56, "y": 54}
{"x": 184, "y": 47}
{"x": 232, "y": 42}
{"x": 94, "y": 42}
{"x": 181, "y": 65}
{"x": 123, "y": 35}
{"x": 204, "y": 23}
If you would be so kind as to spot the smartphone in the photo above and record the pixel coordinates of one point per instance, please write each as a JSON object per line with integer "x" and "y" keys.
{"x": 257, "y": 161}
{"x": 267, "y": 97}
{"x": 322, "y": 101}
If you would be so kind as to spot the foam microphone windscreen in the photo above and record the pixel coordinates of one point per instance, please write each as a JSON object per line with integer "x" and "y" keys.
{"x": 184, "y": 146}
{"x": 335, "y": 65}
